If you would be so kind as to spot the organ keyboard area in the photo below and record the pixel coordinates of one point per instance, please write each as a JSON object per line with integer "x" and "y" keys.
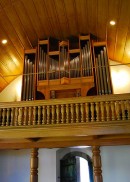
{"x": 69, "y": 68}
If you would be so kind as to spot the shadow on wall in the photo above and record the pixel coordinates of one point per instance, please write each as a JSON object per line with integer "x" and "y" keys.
{"x": 12, "y": 92}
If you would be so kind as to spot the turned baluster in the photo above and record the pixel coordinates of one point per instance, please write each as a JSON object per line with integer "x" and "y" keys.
{"x": 117, "y": 110}
{"x": 67, "y": 113}
{"x": 113, "y": 110}
{"x": 34, "y": 165}
{"x": 62, "y": 114}
{"x": 34, "y": 115}
{"x": 87, "y": 111}
{"x": 72, "y": 112}
{"x": 0, "y": 116}
{"x": 25, "y": 116}
{"x": 82, "y": 112}
{"x": 3, "y": 117}
{"x": 48, "y": 114}
{"x": 20, "y": 117}
{"x": 12, "y": 117}
{"x": 92, "y": 111}
{"x": 8, "y": 116}
{"x": 43, "y": 115}
{"x": 53, "y": 114}
{"x": 97, "y": 164}
{"x": 29, "y": 116}
{"x": 97, "y": 111}
{"x": 102, "y": 111}
{"x": 16, "y": 117}
{"x": 39, "y": 115}
{"x": 77, "y": 113}
{"x": 107, "y": 111}
{"x": 57, "y": 114}
{"x": 128, "y": 109}
{"x": 123, "y": 110}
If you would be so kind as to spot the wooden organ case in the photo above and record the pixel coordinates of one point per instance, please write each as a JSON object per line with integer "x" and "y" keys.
{"x": 69, "y": 68}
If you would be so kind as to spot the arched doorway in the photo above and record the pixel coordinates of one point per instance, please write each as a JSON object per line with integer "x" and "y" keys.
{"x": 76, "y": 167}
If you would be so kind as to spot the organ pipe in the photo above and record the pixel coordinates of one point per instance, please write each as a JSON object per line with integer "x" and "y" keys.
{"x": 76, "y": 63}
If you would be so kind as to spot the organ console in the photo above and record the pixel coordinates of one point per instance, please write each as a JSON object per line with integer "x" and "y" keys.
{"x": 68, "y": 68}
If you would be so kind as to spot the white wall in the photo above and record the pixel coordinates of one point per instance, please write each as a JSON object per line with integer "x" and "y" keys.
{"x": 47, "y": 165}
{"x": 120, "y": 75}
{"x": 14, "y": 165}
{"x": 116, "y": 163}
{"x": 12, "y": 92}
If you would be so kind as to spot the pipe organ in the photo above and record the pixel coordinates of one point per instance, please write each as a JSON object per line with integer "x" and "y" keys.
{"x": 102, "y": 71}
{"x": 69, "y": 68}
{"x": 29, "y": 77}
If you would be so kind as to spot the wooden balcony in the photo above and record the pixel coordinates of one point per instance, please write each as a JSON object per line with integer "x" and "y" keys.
{"x": 91, "y": 120}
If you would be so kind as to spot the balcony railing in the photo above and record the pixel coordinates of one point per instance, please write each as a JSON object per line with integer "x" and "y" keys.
{"x": 107, "y": 108}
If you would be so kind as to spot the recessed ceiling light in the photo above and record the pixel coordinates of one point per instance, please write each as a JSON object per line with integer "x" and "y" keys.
{"x": 112, "y": 22}
{"x": 4, "y": 41}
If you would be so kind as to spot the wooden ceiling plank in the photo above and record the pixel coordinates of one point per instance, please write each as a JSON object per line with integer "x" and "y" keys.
{"x": 82, "y": 16}
{"x": 34, "y": 19}
{"x": 10, "y": 31}
{"x": 3, "y": 82}
{"x": 3, "y": 70}
{"x": 5, "y": 3}
{"x": 14, "y": 19}
{"x": 10, "y": 49}
{"x": 113, "y": 14}
{"x": 102, "y": 18}
{"x": 54, "y": 18}
{"x": 92, "y": 16}
{"x": 41, "y": 24}
{"x": 41, "y": 9}
{"x": 60, "y": 9}
{"x": 76, "y": 16}
{"x": 126, "y": 54}
{"x": 4, "y": 64}
{"x": 123, "y": 24}
{"x": 48, "y": 17}
{"x": 70, "y": 17}
{"x": 26, "y": 23}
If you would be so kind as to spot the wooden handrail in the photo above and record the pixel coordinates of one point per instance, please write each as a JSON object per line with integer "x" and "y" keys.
{"x": 66, "y": 111}
{"x": 88, "y": 99}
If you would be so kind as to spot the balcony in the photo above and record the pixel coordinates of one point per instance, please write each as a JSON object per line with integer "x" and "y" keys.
{"x": 91, "y": 120}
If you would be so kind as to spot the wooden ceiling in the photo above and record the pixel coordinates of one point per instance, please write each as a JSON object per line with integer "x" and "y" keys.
{"x": 23, "y": 22}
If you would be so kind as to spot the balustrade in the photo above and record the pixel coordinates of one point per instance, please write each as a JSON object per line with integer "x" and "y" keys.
{"x": 66, "y": 111}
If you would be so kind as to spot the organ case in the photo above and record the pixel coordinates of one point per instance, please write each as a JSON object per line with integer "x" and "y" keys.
{"x": 68, "y": 68}
{"x": 68, "y": 73}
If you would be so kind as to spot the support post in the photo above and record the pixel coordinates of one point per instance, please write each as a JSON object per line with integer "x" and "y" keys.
{"x": 97, "y": 164}
{"x": 34, "y": 165}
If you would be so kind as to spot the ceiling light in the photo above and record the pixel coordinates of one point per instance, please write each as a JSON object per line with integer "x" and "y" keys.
{"x": 4, "y": 41}
{"x": 112, "y": 22}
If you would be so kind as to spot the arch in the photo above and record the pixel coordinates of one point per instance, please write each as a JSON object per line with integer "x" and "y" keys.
{"x": 71, "y": 156}
{"x": 92, "y": 91}
{"x": 79, "y": 154}
{"x": 40, "y": 95}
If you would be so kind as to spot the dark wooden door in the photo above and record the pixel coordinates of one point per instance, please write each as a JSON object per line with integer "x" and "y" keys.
{"x": 68, "y": 170}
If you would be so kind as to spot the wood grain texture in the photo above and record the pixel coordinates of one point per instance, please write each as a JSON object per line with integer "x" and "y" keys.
{"x": 24, "y": 22}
